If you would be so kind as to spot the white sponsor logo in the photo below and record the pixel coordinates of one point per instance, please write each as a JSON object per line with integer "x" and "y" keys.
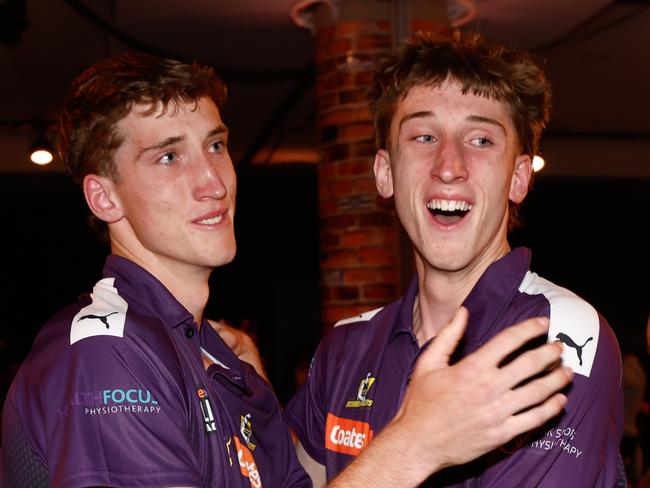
{"x": 251, "y": 468}
{"x": 347, "y": 438}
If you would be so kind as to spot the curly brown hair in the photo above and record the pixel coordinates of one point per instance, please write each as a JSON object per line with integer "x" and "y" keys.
{"x": 482, "y": 68}
{"x": 105, "y": 93}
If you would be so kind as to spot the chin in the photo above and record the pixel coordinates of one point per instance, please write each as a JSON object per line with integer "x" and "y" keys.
{"x": 447, "y": 261}
{"x": 226, "y": 255}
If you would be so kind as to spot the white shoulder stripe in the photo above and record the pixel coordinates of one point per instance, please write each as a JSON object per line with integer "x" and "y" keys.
{"x": 105, "y": 315}
{"x": 362, "y": 317}
{"x": 573, "y": 322}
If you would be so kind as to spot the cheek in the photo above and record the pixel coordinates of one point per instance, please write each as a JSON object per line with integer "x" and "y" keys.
{"x": 153, "y": 202}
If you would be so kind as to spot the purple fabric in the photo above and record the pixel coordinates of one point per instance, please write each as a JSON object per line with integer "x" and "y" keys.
{"x": 141, "y": 410}
{"x": 580, "y": 448}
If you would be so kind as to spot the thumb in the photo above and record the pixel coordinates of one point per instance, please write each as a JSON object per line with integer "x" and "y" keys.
{"x": 445, "y": 343}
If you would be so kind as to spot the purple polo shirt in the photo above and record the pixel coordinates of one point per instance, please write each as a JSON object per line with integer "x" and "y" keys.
{"x": 361, "y": 368}
{"x": 114, "y": 393}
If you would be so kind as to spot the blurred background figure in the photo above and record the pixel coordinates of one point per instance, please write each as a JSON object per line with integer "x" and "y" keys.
{"x": 634, "y": 386}
{"x": 635, "y": 446}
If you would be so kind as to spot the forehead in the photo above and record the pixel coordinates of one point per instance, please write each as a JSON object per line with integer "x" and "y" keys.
{"x": 146, "y": 120}
{"x": 447, "y": 102}
{"x": 173, "y": 110}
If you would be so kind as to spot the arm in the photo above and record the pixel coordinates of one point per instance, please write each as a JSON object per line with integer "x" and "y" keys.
{"x": 581, "y": 446}
{"x": 453, "y": 414}
{"x": 98, "y": 418}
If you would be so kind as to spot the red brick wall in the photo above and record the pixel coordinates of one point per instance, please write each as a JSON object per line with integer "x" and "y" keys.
{"x": 359, "y": 233}
{"x": 360, "y": 237}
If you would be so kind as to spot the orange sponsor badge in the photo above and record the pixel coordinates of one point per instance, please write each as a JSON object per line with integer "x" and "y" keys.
{"x": 247, "y": 465}
{"x": 346, "y": 436}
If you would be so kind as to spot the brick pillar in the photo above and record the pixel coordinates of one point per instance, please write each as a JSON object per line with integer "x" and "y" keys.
{"x": 360, "y": 235}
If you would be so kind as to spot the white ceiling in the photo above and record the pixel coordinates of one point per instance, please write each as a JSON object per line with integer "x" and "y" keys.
{"x": 596, "y": 54}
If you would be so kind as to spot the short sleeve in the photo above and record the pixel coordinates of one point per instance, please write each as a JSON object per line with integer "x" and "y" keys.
{"x": 581, "y": 447}
{"x": 113, "y": 415}
{"x": 306, "y": 411}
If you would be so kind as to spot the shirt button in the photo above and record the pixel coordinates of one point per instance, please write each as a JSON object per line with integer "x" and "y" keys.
{"x": 189, "y": 332}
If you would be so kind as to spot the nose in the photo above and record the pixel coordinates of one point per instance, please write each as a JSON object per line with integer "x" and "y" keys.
{"x": 449, "y": 163}
{"x": 211, "y": 179}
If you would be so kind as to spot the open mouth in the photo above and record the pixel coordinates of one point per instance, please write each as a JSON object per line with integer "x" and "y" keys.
{"x": 448, "y": 212}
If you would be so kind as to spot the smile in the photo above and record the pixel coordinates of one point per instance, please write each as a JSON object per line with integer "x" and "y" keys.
{"x": 212, "y": 221}
{"x": 448, "y": 212}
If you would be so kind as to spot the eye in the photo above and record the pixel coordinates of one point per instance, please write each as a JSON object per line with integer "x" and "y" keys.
{"x": 481, "y": 142}
{"x": 425, "y": 139}
{"x": 218, "y": 146}
{"x": 168, "y": 159}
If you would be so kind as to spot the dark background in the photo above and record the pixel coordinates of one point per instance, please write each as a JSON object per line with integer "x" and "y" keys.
{"x": 586, "y": 220}
{"x": 587, "y": 234}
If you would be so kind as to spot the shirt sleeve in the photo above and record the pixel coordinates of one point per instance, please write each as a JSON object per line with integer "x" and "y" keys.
{"x": 581, "y": 446}
{"x": 114, "y": 415}
{"x": 306, "y": 411}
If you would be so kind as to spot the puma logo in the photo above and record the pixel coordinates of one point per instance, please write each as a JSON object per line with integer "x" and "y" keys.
{"x": 565, "y": 339}
{"x": 103, "y": 318}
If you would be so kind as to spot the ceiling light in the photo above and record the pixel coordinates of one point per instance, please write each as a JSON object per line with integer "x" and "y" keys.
{"x": 40, "y": 151}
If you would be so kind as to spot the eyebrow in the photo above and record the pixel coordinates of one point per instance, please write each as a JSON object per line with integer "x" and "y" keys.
{"x": 221, "y": 129}
{"x": 415, "y": 115}
{"x": 487, "y": 120}
{"x": 470, "y": 118}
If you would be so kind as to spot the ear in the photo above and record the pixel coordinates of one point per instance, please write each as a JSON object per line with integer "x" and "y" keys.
{"x": 521, "y": 178}
{"x": 383, "y": 173}
{"x": 101, "y": 198}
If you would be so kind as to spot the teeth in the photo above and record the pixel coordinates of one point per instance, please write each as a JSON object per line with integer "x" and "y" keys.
{"x": 448, "y": 205}
{"x": 212, "y": 221}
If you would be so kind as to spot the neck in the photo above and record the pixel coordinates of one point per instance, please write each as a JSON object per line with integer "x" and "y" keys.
{"x": 188, "y": 284}
{"x": 442, "y": 292}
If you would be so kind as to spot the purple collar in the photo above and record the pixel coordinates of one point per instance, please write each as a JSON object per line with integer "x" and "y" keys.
{"x": 487, "y": 300}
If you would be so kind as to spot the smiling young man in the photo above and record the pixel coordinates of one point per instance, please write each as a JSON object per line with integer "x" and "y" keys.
{"x": 130, "y": 386}
{"x": 458, "y": 121}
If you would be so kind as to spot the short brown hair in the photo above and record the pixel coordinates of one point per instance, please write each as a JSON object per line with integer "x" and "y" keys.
{"x": 482, "y": 68}
{"x": 105, "y": 93}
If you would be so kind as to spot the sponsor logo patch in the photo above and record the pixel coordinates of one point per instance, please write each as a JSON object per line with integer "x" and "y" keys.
{"x": 362, "y": 393}
{"x": 206, "y": 408}
{"x": 246, "y": 430}
{"x": 131, "y": 401}
{"x": 247, "y": 466}
{"x": 347, "y": 436}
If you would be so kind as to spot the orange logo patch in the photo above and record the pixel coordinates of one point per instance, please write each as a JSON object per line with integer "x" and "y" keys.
{"x": 247, "y": 465}
{"x": 346, "y": 436}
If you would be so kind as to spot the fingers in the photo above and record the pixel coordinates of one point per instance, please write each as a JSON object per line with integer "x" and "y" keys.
{"x": 537, "y": 391}
{"x": 443, "y": 346}
{"x": 533, "y": 418}
{"x": 509, "y": 340}
{"x": 530, "y": 363}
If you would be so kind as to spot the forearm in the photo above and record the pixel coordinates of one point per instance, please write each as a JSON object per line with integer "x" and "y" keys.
{"x": 393, "y": 459}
